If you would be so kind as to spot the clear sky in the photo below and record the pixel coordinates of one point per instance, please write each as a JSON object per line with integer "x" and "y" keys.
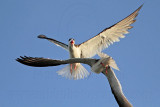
{"x": 137, "y": 55}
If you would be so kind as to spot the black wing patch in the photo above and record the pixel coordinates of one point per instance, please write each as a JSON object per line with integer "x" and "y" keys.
{"x": 37, "y": 61}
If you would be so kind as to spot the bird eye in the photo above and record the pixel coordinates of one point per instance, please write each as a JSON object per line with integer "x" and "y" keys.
{"x": 70, "y": 39}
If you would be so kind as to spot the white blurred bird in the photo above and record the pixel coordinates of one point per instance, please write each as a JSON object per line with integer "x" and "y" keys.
{"x": 94, "y": 45}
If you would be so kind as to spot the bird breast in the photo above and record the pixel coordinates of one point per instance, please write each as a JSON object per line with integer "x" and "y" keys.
{"x": 74, "y": 52}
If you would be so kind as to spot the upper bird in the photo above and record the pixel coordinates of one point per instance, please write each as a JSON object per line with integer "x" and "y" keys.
{"x": 96, "y": 44}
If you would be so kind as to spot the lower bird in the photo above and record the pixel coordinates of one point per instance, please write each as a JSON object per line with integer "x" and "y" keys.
{"x": 97, "y": 65}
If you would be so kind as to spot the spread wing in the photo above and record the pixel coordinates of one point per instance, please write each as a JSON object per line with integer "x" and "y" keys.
{"x": 54, "y": 41}
{"x": 108, "y": 36}
{"x": 45, "y": 62}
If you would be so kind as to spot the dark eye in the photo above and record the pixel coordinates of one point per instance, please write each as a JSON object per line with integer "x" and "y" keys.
{"x": 70, "y": 39}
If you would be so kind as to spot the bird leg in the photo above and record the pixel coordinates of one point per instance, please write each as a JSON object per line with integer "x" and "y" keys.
{"x": 75, "y": 67}
{"x": 104, "y": 66}
{"x": 71, "y": 69}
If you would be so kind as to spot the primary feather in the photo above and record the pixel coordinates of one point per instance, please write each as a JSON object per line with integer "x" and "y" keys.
{"x": 108, "y": 36}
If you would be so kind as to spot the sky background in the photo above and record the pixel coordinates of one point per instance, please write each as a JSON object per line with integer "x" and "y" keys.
{"x": 137, "y": 55}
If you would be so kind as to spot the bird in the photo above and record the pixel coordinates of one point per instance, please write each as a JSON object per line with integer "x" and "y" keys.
{"x": 97, "y": 65}
{"x": 96, "y": 44}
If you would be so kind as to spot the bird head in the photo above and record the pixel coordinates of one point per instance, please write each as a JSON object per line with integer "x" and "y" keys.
{"x": 71, "y": 41}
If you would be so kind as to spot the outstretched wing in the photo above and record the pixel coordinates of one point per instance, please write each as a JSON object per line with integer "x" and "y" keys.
{"x": 37, "y": 61}
{"x": 108, "y": 36}
{"x": 45, "y": 62}
{"x": 54, "y": 41}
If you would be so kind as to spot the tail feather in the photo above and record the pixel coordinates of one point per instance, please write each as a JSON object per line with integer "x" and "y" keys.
{"x": 113, "y": 64}
{"x": 79, "y": 73}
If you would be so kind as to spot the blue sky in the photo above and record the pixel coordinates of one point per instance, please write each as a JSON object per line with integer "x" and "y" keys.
{"x": 137, "y": 55}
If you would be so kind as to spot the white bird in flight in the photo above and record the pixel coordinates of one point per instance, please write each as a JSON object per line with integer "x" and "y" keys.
{"x": 97, "y": 65}
{"x": 96, "y": 44}
{"x": 93, "y": 46}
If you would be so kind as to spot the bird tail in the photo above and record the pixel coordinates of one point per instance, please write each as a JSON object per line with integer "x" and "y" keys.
{"x": 79, "y": 73}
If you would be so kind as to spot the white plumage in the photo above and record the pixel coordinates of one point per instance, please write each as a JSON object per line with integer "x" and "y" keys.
{"x": 94, "y": 45}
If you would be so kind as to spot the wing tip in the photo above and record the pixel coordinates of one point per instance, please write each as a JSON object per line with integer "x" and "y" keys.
{"x": 140, "y": 7}
{"x": 41, "y": 36}
{"x": 19, "y": 59}
{"x": 23, "y": 59}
